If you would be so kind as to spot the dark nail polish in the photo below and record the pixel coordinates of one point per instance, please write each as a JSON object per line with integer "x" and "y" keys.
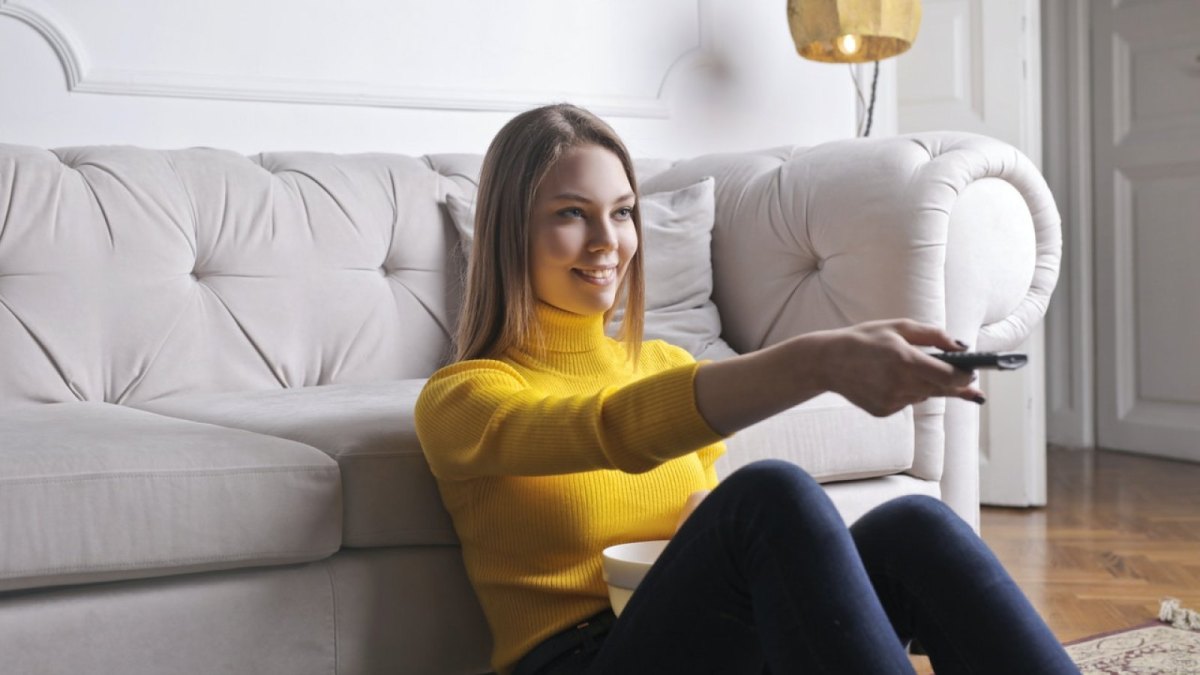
{"x": 980, "y": 400}
{"x": 961, "y": 344}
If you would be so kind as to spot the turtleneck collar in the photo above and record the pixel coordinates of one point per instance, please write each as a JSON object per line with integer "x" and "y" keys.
{"x": 567, "y": 332}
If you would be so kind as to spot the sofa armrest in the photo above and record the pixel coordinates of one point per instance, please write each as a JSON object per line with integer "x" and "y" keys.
{"x": 949, "y": 228}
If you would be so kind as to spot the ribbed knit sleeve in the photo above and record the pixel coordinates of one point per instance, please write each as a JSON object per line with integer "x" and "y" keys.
{"x": 708, "y": 459}
{"x": 482, "y": 418}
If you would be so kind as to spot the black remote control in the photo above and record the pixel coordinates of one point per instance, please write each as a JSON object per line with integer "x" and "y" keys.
{"x": 973, "y": 360}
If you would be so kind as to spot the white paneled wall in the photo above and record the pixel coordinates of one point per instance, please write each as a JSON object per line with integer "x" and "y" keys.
{"x": 407, "y": 75}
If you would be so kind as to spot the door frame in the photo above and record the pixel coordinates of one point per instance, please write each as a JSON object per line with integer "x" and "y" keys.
{"x": 1013, "y": 424}
{"x": 1067, "y": 167}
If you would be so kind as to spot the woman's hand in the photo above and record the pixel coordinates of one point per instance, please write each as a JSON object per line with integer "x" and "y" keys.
{"x": 690, "y": 505}
{"x": 876, "y": 366}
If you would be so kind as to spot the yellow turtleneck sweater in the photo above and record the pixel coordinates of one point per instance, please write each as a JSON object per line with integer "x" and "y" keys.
{"x": 544, "y": 459}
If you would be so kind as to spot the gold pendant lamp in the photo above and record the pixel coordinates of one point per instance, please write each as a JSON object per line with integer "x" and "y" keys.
{"x": 853, "y": 31}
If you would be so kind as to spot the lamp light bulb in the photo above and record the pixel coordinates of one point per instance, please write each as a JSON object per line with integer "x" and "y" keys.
{"x": 848, "y": 44}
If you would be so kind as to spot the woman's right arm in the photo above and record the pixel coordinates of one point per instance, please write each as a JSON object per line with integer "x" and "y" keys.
{"x": 874, "y": 365}
{"x": 482, "y": 418}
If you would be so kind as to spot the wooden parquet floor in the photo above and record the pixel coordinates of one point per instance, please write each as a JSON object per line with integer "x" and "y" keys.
{"x": 1119, "y": 533}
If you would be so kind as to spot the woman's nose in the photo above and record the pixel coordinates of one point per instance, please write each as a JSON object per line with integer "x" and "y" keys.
{"x": 602, "y": 235}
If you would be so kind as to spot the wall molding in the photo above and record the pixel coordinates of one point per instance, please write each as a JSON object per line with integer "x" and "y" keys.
{"x": 82, "y": 76}
{"x": 63, "y": 44}
{"x": 1122, "y": 64}
{"x": 1125, "y": 338}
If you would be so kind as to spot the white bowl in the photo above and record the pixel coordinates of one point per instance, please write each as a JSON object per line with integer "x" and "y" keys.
{"x": 624, "y": 567}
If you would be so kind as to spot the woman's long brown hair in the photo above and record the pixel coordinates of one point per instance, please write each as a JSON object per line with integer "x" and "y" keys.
{"x": 498, "y": 311}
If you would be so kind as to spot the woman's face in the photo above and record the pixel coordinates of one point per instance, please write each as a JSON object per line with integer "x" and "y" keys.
{"x": 582, "y": 230}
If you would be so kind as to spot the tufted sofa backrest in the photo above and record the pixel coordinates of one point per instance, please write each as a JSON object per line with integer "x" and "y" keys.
{"x": 128, "y": 274}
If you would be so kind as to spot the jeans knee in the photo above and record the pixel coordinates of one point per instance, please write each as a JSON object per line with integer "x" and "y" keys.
{"x": 919, "y": 532}
{"x": 773, "y": 476}
{"x": 920, "y": 514}
{"x": 781, "y": 485}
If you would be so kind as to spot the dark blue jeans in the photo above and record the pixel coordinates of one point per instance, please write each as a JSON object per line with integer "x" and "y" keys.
{"x": 765, "y": 577}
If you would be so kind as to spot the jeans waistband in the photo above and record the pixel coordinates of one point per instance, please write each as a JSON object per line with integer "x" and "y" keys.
{"x": 581, "y": 635}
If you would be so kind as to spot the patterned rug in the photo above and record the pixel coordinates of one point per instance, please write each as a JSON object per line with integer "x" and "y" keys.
{"x": 1151, "y": 649}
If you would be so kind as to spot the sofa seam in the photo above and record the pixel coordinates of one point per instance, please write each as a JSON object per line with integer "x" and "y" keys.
{"x": 54, "y": 363}
{"x": 150, "y": 363}
{"x": 195, "y": 240}
{"x": 11, "y": 575}
{"x": 12, "y": 190}
{"x": 178, "y": 473}
{"x": 344, "y": 456}
{"x": 233, "y": 317}
{"x": 333, "y": 612}
{"x": 408, "y": 531}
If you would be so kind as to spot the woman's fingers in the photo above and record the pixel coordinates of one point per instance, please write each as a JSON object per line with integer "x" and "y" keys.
{"x": 947, "y": 378}
{"x": 882, "y": 369}
{"x": 943, "y": 379}
{"x": 941, "y": 373}
{"x": 973, "y": 395}
{"x": 927, "y": 335}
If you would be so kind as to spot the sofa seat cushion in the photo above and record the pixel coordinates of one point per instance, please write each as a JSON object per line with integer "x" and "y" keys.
{"x": 390, "y": 497}
{"x": 96, "y": 492}
{"x": 830, "y": 438}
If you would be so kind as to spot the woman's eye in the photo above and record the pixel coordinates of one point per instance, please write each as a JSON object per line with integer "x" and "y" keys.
{"x": 573, "y": 212}
{"x": 625, "y": 211}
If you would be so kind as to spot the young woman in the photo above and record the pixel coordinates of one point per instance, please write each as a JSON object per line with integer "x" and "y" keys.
{"x": 551, "y": 441}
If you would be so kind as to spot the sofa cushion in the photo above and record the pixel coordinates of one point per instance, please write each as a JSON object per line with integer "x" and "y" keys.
{"x": 390, "y": 498}
{"x": 95, "y": 491}
{"x": 679, "y": 283}
{"x": 830, "y": 437}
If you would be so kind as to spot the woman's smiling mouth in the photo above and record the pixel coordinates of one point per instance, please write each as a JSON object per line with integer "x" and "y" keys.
{"x": 600, "y": 277}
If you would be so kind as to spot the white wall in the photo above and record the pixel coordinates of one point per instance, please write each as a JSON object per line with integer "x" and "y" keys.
{"x": 406, "y": 76}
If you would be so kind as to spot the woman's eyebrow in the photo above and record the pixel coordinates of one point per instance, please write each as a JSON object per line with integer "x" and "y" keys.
{"x": 580, "y": 198}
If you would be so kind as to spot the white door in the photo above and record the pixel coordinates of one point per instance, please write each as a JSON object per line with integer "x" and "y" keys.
{"x": 975, "y": 66}
{"x": 1146, "y": 148}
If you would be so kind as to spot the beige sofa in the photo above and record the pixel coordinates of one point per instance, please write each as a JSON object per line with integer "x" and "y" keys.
{"x": 208, "y": 364}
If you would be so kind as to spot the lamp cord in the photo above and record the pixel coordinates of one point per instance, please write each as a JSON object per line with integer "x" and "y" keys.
{"x": 862, "y": 102}
{"x": 871, "y": 107}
